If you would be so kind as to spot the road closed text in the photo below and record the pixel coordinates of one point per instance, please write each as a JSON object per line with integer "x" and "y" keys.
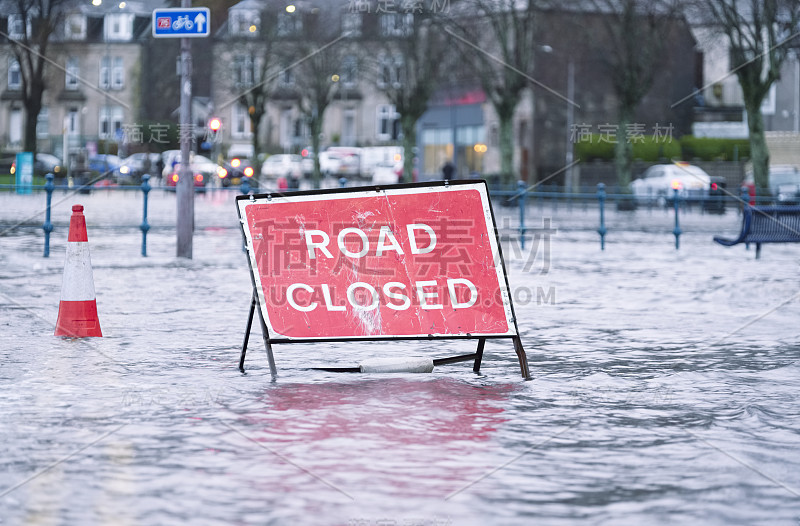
{"x": 362, "y": 296}
{"x": 458, "y": 293}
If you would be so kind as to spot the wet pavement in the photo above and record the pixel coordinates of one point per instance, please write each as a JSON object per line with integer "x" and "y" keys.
{"x": 664, "y": 385}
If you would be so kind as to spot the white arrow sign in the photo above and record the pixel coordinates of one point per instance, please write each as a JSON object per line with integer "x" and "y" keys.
{"x": 199, "y": 20}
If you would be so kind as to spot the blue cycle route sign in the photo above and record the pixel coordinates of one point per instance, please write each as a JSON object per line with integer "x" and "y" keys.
{"x": 181, "y": 22}
{"x": 24, "y": 173}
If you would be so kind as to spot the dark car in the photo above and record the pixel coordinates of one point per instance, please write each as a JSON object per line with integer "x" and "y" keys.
{"x": 233, "y": 172}
{"x": 44, "y": 164}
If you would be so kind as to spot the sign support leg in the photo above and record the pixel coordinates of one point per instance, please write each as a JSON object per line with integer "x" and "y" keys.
{"x": 267, "y": 344}
{"x": 523, "y": 358}
{"x": 479, "y": 355}
{"x": 247, "y": 332}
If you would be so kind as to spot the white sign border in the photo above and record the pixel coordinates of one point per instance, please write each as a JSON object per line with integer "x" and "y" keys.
{"x": 324, "y": 195}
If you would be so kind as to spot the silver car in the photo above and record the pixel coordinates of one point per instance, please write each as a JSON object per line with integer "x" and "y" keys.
{"x": 659, "y": 182}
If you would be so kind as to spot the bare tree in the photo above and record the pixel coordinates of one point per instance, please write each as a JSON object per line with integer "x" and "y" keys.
{"x": 637, "y": 33}
{"x": 498, "y": 41}
{"x": 314, "y": 49}
{"x": 38, "y": 21}
{"x": 757, "y": 32}
{"x": 408, "y": 68}
{"x": 254, "y": 70}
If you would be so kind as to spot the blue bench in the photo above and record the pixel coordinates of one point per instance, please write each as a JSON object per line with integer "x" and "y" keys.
{"x": 767, "y": 224}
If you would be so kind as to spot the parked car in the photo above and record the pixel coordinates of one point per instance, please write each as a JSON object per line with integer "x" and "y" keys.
{"x": 387, "y": 172}
{"x": 282, "y": 165}
{"x": 203, "y": 169}
{"x": 349, "y": 160}
{"x": 104, "y": 164}
{"x": 136, "y": 165}
{"x": 330, "y": 163}
{"x": 784, "y": 184}
{"x": 658, "y": 183}
{"x": 43, "y": 164}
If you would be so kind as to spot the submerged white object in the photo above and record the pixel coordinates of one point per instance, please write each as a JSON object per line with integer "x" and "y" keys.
{"x": 397, "y": 365}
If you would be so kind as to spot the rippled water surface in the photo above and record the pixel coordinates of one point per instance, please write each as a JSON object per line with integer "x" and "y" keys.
{"x": 665, "y": 391}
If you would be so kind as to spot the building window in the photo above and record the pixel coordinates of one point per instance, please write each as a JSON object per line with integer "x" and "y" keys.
{"x": 43, "y": 124}
{"x": 16, "y": 27}
{"x": 73, "y": 72}
{"x": 349, "y": 70}
{"x": 285, "y": 130}
{"x": 349, "y": 127}
{"x": 241, "y": 122}
{"x": 351, "y": 24}
{"x": 118, "y": 74}
{"x": 75, "y": 27}
{"x": 14, "y": 75}
{"x": 111, "y": 122}
{"x": 289, "y": 24}
{"x": 105, "y": 73}
{"x": 15, "y": 127}
{"x": 244, "y": 22}
{"x": 287, "y": 75}
{"x": 390, "y": 73}
{"x": 73, "y": 125}
{"x": 119, "y": 26}
{"x": 388, "y": 123}
{"x": 396, "y": 24}
{"x": 243, "y": 71}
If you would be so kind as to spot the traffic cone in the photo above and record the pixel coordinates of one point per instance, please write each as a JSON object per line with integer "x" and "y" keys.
{"x": 77, "y": 310}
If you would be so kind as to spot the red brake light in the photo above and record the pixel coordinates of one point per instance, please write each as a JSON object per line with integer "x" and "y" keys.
{"x": 304, "y": 153}
{"x": 174, "y": 178}
{"x": 714, "y": 186}
{"x": 198, "y": 178}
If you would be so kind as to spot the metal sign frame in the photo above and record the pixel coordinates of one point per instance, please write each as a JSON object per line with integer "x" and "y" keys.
{"x": 268, "y": 340}
{"x": 190, "y": 13}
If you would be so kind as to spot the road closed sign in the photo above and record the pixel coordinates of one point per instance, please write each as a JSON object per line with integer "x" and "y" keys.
{"x": 405, "y": 261}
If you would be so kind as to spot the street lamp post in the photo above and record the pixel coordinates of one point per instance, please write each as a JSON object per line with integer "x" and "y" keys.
{"x": 569, "y": 174}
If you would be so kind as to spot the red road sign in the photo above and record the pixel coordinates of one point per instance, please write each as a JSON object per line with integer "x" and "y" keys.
{"x": 400, "y": 262}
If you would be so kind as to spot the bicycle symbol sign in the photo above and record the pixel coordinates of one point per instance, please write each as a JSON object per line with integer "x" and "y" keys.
{"x": 181, "y": 22}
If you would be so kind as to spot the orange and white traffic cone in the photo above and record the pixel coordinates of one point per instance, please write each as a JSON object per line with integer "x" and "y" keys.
{"x": 77, "y": 310}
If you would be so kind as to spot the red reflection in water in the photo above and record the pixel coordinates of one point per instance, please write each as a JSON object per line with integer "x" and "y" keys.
{"x": 393, "y": 435}
{"x": 427, "y": 411}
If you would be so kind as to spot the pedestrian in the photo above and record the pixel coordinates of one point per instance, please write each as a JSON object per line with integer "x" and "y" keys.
{"x": 160, "y": 167}
{"x": 448, "y": 170}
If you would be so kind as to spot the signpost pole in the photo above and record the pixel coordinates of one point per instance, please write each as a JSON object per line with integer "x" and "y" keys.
{"x": 185, "y": 186}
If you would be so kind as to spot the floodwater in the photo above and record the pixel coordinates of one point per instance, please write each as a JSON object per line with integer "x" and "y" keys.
{"x": 665, "y": 388}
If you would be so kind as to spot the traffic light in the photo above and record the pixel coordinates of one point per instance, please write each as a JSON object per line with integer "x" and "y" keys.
{"x": 214, "y": 126}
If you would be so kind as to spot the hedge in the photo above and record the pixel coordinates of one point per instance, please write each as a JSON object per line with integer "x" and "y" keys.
{"x": 652, "y": 149}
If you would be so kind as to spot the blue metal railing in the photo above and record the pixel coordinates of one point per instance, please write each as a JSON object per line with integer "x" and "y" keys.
{"x": 519, "y": 195}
